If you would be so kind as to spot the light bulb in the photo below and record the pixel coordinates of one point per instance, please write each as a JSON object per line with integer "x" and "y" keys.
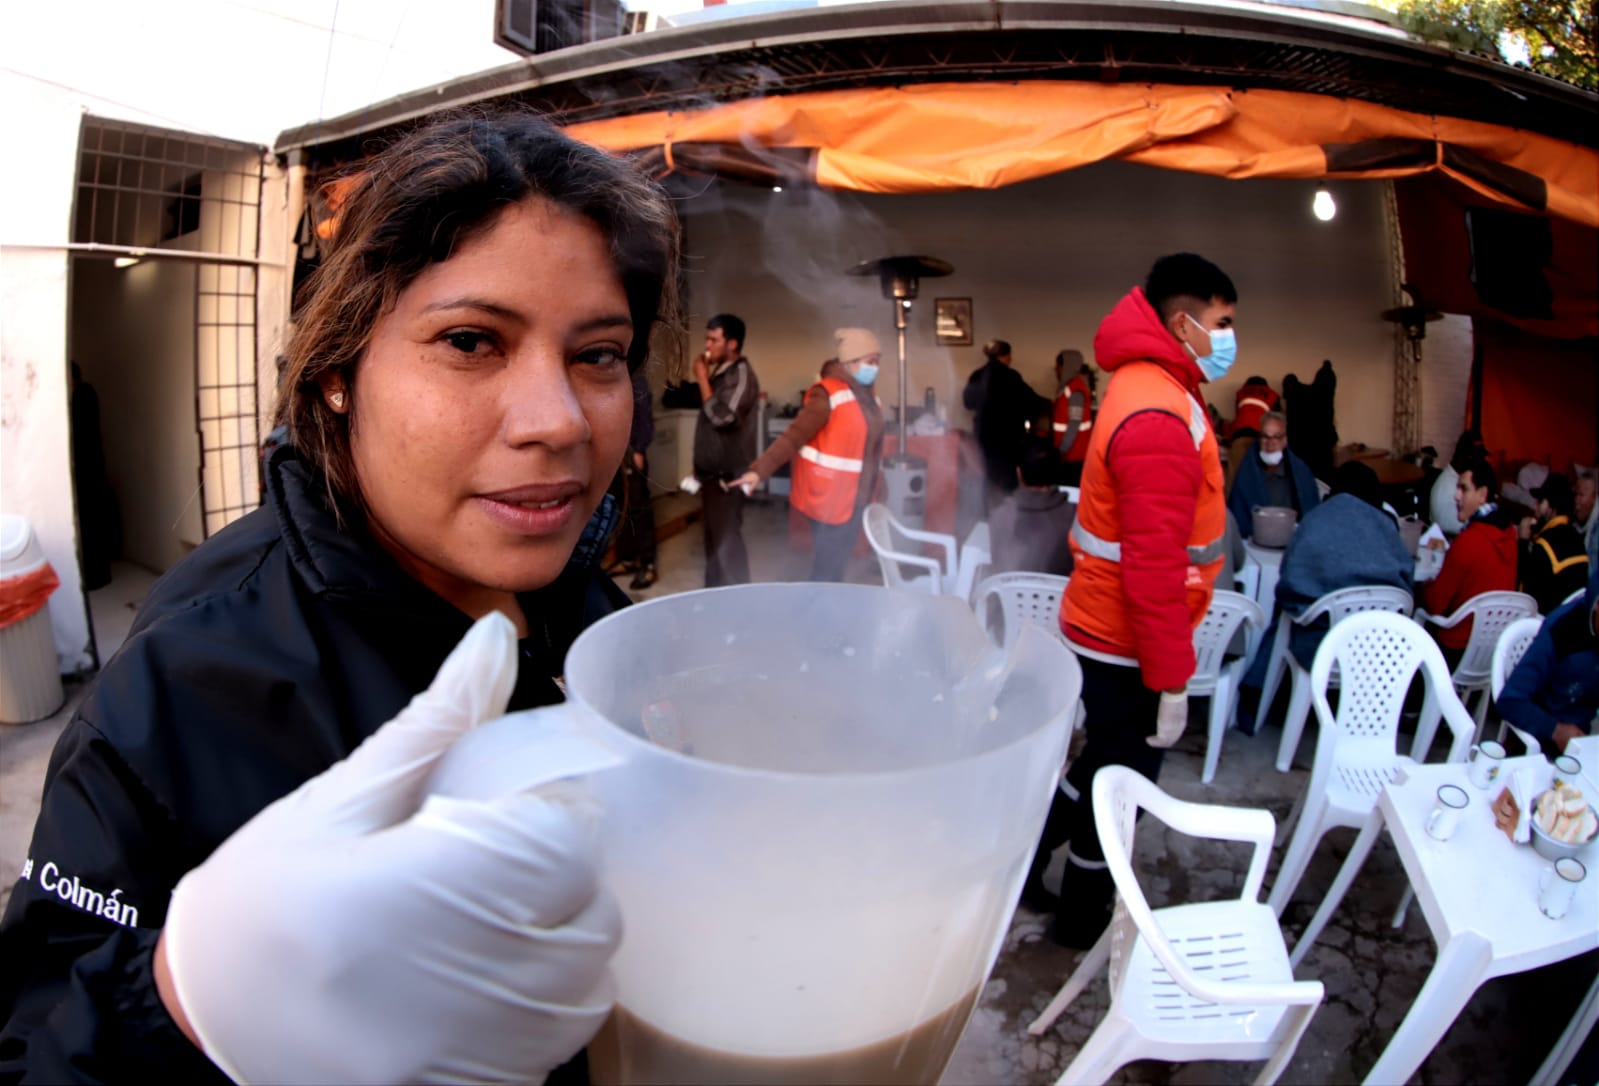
{"x": 1323, "y": 205}
{"x": 777, "y": 188}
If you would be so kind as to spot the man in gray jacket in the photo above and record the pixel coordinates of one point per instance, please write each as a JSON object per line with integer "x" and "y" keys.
{"x": 724, "y": 445}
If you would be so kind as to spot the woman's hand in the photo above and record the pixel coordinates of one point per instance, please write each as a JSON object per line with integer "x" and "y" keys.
{"x": 748, "y": 481}
{"x": 358, "y": 931}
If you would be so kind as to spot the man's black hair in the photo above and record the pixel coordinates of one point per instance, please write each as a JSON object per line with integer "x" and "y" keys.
{"x": 1358, "y": 479}
{"x": 1186, "y": 276}
{"x": 996, "y": 349}
{"x": 1469, "y": 445}
{"x": 730, "y": 326}
{"x": 1482, "y": 475}
{"x": 1040, "y": 465}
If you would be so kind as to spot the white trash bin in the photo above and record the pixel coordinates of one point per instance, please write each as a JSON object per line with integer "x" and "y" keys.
{"x": 30, "y": 676}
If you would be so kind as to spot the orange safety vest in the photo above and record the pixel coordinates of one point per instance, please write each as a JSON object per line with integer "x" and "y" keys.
{"x": 1063, "y": 422}
{"x": 1251, "y": 405}
{"x": 827, "y": 472}
{"x": 1094, "y": 601}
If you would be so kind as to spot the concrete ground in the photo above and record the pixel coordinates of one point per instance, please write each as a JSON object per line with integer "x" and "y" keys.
{"x": 1372, "y": 972}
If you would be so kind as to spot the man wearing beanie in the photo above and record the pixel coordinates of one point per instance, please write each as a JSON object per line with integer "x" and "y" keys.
{"x": 1553, "y": 563}
{"x": 834, "y": 443}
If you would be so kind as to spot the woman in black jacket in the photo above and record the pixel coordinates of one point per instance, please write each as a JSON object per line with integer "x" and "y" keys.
{"x": 458, "y": 400}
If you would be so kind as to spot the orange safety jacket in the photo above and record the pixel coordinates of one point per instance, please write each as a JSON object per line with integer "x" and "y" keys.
{"x": 1251, "y": 405}
{"x": 1079, "y": 447}
{"x": 1094, "y": 602}
{"x": 827, "y": 472}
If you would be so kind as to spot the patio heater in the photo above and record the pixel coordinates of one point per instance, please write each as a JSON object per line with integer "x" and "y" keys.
{"x": 904, "y": 475}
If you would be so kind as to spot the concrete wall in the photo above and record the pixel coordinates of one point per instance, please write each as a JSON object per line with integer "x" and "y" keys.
{"x": 35, "y": 449}
{"x": 1042, "y": 262}
{"x": 133, "y": 336}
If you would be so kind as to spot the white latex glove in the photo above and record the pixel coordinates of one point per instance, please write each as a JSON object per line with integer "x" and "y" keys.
{"x": 1170, "y": 720}
{"x": 343, "y": 935}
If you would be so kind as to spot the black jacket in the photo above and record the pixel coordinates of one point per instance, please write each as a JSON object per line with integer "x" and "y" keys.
{"x": 1002, "y": 404}
{"x": 725, "y": 437}
{"x": 256, "y": 663}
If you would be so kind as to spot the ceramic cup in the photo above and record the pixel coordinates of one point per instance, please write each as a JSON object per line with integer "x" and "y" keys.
{"x": 1445, "y": 815}
{"x": 1557, "y": 886}
{"x": 1487, "y": 758}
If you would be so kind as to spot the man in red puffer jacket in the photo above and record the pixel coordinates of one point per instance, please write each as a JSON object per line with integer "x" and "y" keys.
{"x": 1146, "y": 547}
{"x": 1481, "y": 559}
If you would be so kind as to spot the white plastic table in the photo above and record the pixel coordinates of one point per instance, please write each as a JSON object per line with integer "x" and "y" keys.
{"x": 1479, "y": 894}
{"x": 975, "y": 554}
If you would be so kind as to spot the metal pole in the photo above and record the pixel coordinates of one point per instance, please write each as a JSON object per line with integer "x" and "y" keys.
{"x": 901, "y": 307}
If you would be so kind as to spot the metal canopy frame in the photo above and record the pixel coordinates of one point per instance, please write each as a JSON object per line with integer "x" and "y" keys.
{"x": 1308, "y": 49}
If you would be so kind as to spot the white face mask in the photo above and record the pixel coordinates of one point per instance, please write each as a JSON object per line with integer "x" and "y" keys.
{"x": 1271, "y": 458}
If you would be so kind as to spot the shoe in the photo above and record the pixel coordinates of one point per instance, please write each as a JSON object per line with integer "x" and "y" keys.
{"x": 644, "y": 578}
{"x": 1037, "y": 899}
{"x": 1079, "y": 932}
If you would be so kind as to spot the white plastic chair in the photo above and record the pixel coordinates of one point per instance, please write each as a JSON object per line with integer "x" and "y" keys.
{"x": 1208, "y": 981}
{"x": 887, "y": 536}
{"x": 1336, "y": 606}
{"x": 1248, "y": 578}
{"x": 1508, "y": 650}
{"x": 1213, "y": 676}
{"x": 1023, "y": 598}
{"x": 1491, "y": 613}
{"x": 1378, "y": 654}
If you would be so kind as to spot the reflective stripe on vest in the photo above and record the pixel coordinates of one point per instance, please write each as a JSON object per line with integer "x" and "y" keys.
{"x": 1082, "y": 427}
{"x": 1095, "y": 547}
{"x": 840, "y": 397}
{"x": 1250, "y": 401}
{"x": 827, "y": 460}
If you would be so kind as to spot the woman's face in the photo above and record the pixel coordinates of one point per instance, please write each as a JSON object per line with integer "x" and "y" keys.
{"x": 491, "y": 408}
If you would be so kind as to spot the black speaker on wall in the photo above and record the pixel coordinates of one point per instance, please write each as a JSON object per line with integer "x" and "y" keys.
{"x": 543, "y": 26}
{"x": 1510, "y": 255}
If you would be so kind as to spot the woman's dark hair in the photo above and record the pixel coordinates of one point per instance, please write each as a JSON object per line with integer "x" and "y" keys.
{"x": 414, "y": 204}
{"x": 996, "y": 349}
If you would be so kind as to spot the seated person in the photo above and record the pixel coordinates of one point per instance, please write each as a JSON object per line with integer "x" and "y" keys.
{"x": 1344, "y": 542}
{"x": 1553, "y": 694}
{"x": 1481, "y": 559}
{"x": 1441, "y": 502}
{"x": 1271, "y": 475}
{"x": 1553, "y": 563}
{"x": 1029, "y": 528}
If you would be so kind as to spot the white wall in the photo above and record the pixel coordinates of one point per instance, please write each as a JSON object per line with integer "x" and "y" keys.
{"x": 1445, "y": 381}
{"x": 1043, "y": 262}
{"x": 133, "y": 335}
{"x": 40, "y": 123}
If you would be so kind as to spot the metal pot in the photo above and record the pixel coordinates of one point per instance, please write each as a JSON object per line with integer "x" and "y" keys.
{"x": 1273, "y": 525}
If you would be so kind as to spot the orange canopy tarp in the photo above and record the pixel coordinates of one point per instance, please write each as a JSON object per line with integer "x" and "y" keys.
{"x": 932, "y": 137}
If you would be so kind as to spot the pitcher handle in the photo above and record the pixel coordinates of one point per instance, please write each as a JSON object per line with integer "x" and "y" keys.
{"x": 521, "y": 751}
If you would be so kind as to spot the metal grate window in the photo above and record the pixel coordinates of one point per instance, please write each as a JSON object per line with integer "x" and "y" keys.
{"x": 225, "y": 392}
{"x": 154, "y": 194}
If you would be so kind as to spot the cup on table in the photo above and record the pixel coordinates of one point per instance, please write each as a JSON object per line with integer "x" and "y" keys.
{"x": 1487, "y": 758}
{"x": 1557, "y": 886}
{"x": 1567, "y": 767}
{"x": 1445, "y": 816}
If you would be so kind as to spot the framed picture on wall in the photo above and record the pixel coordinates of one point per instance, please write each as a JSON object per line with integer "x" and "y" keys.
{"x": 952, "y": 321}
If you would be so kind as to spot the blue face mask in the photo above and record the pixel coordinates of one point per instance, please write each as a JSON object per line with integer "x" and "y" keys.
{"x": 866, "y": 375}
{"x": 1223, "y": 353}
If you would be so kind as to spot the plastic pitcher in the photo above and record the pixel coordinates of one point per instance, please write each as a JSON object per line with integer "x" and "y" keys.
{"x": 816, "y": 803}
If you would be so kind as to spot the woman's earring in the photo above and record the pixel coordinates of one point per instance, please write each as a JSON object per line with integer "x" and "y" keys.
{"x": 337, "y": 400}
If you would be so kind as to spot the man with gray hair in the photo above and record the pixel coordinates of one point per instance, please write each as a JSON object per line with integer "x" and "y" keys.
{"x": 1271, "y": 475}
